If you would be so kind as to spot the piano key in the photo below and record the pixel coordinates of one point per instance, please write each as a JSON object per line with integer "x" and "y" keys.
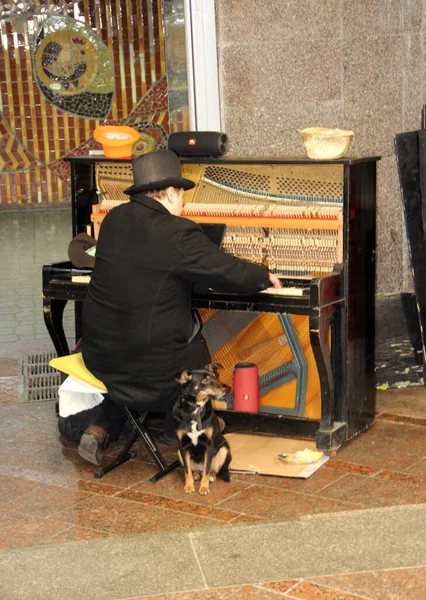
{"x": 286, "y": 291}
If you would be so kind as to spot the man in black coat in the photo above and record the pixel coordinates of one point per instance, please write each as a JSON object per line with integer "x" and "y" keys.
{"x": 139, "y": 330}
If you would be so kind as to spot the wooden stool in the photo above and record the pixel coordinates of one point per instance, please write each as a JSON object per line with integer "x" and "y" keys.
{"x": 74, "y": 366}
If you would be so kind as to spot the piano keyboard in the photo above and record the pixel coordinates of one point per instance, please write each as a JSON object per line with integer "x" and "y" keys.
{"x": 80, "y": 278}
{"x": 286, "y": 291}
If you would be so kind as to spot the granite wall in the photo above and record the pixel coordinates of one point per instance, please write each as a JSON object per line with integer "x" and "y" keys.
{"x": 353, "y": 64}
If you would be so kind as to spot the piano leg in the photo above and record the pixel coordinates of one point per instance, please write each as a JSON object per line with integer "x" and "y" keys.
{"x": 53, "y": 310}
{"x": 331, "y": 433}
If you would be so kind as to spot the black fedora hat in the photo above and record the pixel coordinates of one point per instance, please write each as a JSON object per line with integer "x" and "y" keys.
{"x": 157, "y": 170}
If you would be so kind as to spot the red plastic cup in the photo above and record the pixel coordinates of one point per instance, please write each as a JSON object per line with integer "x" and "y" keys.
{"x": 246, "y": 388}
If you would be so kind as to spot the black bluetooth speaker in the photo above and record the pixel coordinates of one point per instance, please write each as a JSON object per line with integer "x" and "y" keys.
{"x": 209, "y": 144}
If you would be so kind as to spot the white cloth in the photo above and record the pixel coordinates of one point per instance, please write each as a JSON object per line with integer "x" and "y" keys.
{"x": 75, "y": 395}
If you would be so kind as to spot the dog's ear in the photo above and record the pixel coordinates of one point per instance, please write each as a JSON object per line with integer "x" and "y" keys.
{"x": 184, "y": 377}
{"x": 212, "y": 367}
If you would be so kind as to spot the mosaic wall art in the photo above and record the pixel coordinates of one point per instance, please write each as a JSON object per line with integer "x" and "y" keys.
{"x": 67, "y": 67}
{"x": 72, "y": 68}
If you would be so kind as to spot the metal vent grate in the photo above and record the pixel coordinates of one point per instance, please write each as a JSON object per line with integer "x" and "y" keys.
{"x": 41, "y": 381}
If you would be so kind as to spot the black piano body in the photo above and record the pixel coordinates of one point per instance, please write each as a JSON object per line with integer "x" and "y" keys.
{"x": 340, "y": 307}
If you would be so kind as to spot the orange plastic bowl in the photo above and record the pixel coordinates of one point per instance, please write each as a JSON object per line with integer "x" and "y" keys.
{"x": 117, "y": 140}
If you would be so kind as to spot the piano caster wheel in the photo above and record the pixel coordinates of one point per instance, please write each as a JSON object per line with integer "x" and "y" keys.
{"x": 332, "y": 453}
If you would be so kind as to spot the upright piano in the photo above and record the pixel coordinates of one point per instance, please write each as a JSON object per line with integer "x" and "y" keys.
{"x": 313, "y": 223}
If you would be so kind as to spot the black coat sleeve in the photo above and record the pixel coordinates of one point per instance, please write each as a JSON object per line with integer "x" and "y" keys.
{"x": 200, "y": 261}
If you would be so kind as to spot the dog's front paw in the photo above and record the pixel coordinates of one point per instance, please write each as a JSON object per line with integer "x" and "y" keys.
{"x": 204, "y": 489}
{"x": 189, "y": 488}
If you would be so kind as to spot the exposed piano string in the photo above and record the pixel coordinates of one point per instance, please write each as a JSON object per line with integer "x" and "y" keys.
{"x": 212, "y": 192}
{"x": 239, "y": 209}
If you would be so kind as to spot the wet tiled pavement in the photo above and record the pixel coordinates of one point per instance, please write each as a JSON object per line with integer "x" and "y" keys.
{"x": 47, "y": 489}
{"x": 48, "y": 495}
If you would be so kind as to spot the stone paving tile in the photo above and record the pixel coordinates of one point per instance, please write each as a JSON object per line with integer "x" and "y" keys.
{"x": 9, "y": 367}
{"x": 247, "y": 518}
{"x": 244, "y": 592}
{"x": 128, "y": 474}
{"x": 18, "y": 530}
{"x": 372, "y": 492}
{"x": 40, "y": 432}
{"x": 403, "y": 419}
{"x": 280, "y": 586}
{"x": 94, "y": 487}
{"x": 312, "y": 591}
{"x": 271, "y": 503}
{"x": 386, "y": 445}
{"x": 10, "y": 390}
{"x": 37, "y": 457}
{"x": 38, "y": 476}
{"x": 339, "y": 465}
{"x": 391, "y": 584}
{"x": 418, "y": 468}
{"x": 48, "y": 500}
{"x": 178, "y": 505}
{"x": 28, "y": 413}
{"x": 172, "y": 486}
{"x": 169, "y": 451}
{"x": 407, "y": 402}
{"x": 123, "y": 517}
{"x": 12, "y": 489}
{"x": 66, "y": 463}
{"x": 74, "y": 533}
{"x": 404, "y": 477}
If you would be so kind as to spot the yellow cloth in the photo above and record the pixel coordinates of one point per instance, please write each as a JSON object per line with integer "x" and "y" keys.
{"x": 73, "y": 365}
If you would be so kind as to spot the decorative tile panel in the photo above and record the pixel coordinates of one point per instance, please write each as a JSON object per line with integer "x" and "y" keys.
{"x": 67, "y": 67}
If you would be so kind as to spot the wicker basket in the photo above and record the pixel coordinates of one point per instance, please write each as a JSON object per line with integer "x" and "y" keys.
{"x": 323, "y": 143}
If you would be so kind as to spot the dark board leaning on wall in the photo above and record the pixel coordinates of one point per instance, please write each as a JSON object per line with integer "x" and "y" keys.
{"x": 411, "y": 159}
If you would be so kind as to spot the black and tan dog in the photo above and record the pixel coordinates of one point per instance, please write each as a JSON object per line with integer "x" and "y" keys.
{"x": 203, "y": 450}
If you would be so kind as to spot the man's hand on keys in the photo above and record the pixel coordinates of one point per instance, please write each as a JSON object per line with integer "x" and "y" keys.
{"x": 276, "y": 283}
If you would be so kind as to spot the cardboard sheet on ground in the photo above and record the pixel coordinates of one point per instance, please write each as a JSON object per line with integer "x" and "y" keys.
{"x": 255, "y": 453}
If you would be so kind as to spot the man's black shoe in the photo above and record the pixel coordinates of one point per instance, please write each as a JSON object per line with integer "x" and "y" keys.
{"x": 93, "y": 443}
